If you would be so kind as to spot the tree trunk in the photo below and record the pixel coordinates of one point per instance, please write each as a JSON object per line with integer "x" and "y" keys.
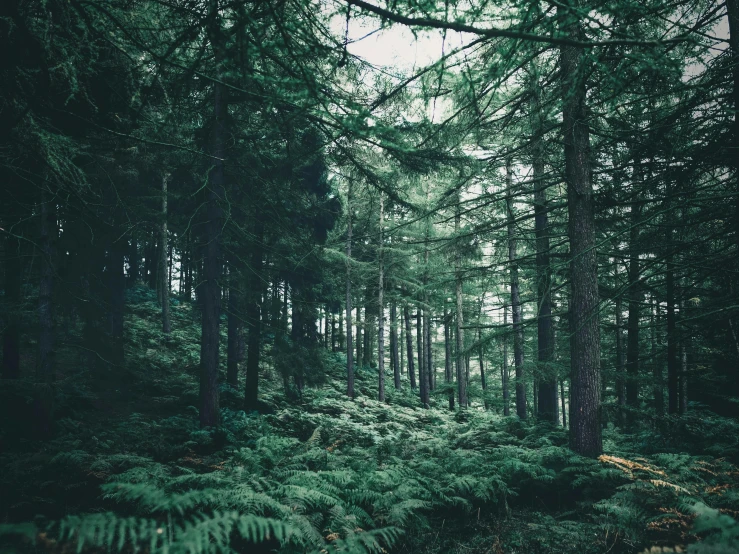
{"x": 448, "y": 370}
{"x": 421, "y": 348}
{"x": 133, "y": 260}
{"x": 381, "y": 313}
{"x": 117, "y": 291}
{"x": 515, "y": 300}
{"x": 234, "y": 328}
{"x": 409, "y": 345}
{"x": 11, "y": 306}
{"x": 683, "y": 377}
{"x": 659, "y": 401}
{"x": 505, "y": 376}
{"x": 620, "y": 363}
{"x": 585, "y": 428}
{"x": 672, "y": 362}
{"x": 459, "y": 331}
{"x": 210, "y": 288}
{"x": 632, "y": 341}
{"x": 483, "y": 382}
{"x": 732, "y": 9}
{"x": 163, "y": 273}
{"x": 254, "y": 319}
{"x": 394, "y": 351}
{"x": 564, "y": 400}
{"x": 44, "y": 400}
{"x": 359, "y": 337}
{"x": 547, "y": 393}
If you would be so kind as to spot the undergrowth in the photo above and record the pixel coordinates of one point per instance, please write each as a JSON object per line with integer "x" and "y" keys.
{"x": 322, "y": 473}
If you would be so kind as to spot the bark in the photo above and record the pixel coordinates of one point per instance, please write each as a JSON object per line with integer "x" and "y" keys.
{"x": 672, "y": 362}
{"x": 210, "y": 288}
{"x": 367, "y": 346}
{"x": 117, "y": 292}
{"x": 394, "y": 344}
{"x": 683, "y": 377}
{"x": 505, "y": 376}
{"x": 547, "y": 393}
{"x": 585, "y": 428}
{"x": 448, "y": 369}
{"x": 620, "y": 363}
{"x": 234, "y": 329}
{"x": 381, "y": 313}
{"x": 459, "y": 331}
{"x": 44, "y": 400}
{"x": 515, "y": 300}
{"x": 11, "y": 305}
{"x": 564, "y": 400}
{"x": 659, "y": 401}
{"x": 254, "y": 318}
{"x": 481, "y": 354}
{"x": 421, "y": 351}
{"x": 165, "y": 282}
{"x": 359, "y": 337}
{"x": 632, "y": 341}
{"x": 732, "y": 9}
{"x": 409, "y": 345}
{"x": 133, "y": 260}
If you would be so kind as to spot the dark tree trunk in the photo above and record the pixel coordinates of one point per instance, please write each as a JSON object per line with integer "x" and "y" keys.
{"x": 394, "y": 344}
{"x": 165, "y": 275}
{"x": 672, "y": 362}
{"x": 459, "y": 331}
{"x": 367, "y": 346}
{"x": 483, "y": 382}
{"x": 359, "y": 337}
{"x": 421, "y": 352}
{"x": 632, "y": 341}
{"x": 381, "y": 313}
{"x": 564, "y": 401}
{"x": 234, "y": 329}
{"x": 585, "y": 428}
{"x": 683, "y": 377}
{"x": 448, "y": 369}
{"x": 44, "y": 400}
{"x": 515, "y": 301}
{"x": 547, "y": 393}
{"x": 409, "y": 345}
{"x": 254, "y": 318}
{"x": 504, "y": 369}
{"x": 133, "y": 260}
{"x": 188, "y": 265}
{"x": 732, "y": 9}
{"x": 117, "y": 291}
{"x": 11, "y": 305}
{"x": 659, "y": 401}
{"x": 620, "y": 363}
{"x": 210, "y": 288}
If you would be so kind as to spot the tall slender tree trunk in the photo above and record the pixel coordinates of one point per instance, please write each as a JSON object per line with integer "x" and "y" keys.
{"x": 164, "y": 274}
{"x": 732, "y": 9}
{"x": 620, "y": 363}
{"x": 459, "y": 331}
{"x": 683, "y": 377}
{"x": 659, "y": 401}
{"x": 44, "y": 400}
{"x": 359, "y": 337}
{"x": 421, "y": 347}
{"x": 547, "y": 393}
{"x": 210, "y": 288}
{"x": 394, "y": 344}
{"x": 632, "y": 341}
{"x": 505, "y": 376}
{"x": 515, "y": 300}
{"x": 672, "y": 362}
{"x": 254, "y": 318}
{"x": 409, "y": 345}
{"x": 564, "y": 401}
{"x": 117, "y": 292}
{"x": 11, "y": 305}
{"x": 448, "y": 375}
{"x": 381, "y": 312}
{"x": 483, "y": 381}
{"x": 234, "y": 328}
{"x": 585, "y": 428}
{"x": 133, "y": 260}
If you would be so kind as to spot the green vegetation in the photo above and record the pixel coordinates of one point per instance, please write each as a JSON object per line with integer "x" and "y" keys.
{"x": 130, "y": 468}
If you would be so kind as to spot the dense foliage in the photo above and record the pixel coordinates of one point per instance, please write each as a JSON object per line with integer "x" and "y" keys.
{"x": 408, "y": 276}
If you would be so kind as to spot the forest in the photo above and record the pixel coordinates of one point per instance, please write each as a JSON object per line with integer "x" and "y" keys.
{"x": 372, "y": 276}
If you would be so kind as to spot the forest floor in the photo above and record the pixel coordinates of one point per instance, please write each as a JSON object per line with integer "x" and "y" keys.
{"x": 128, "y": 468}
